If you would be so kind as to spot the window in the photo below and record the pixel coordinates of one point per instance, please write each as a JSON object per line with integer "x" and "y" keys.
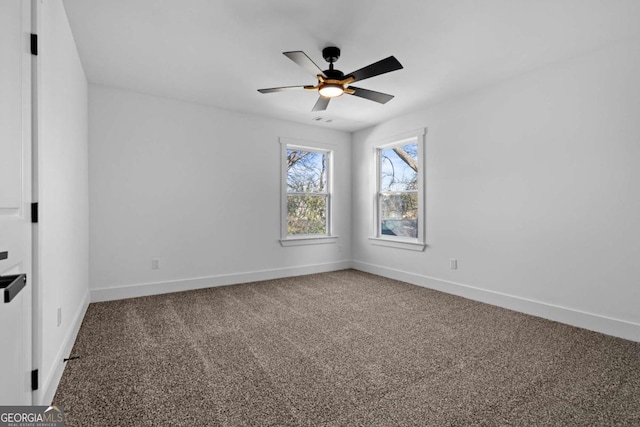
{"x": 306, "y": 199}
{"x": 399, "y": 214}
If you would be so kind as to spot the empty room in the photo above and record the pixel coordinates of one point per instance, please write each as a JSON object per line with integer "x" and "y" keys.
{"x": 375, "y": 213}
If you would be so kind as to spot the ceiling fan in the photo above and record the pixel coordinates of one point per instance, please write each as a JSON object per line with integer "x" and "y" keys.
{"x": 333, "y": 83}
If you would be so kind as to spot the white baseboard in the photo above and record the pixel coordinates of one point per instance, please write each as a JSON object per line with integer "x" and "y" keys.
{"x": 145, "y": 289}
{"x": 52, "y": 379}
{"x": 593, "y": 322}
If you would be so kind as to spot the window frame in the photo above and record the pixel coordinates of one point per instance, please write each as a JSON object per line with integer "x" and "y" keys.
{"x": 306, "y": 239}
{"x": 419, "y": 242}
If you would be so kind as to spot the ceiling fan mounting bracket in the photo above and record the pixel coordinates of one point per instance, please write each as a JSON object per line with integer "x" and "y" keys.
{"x": 331, "y": 54}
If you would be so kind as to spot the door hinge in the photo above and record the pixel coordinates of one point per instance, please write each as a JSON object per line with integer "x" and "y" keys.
{"x": 34, "y": 379}
{"x": 34, "y": 44}
{"x": 34, "y": 212}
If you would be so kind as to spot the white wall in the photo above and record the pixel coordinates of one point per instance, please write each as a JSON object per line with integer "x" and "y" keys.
{"x": 62, "y": 242}
{"x": 199, "y": 188}
{"x": 533, "y": 185}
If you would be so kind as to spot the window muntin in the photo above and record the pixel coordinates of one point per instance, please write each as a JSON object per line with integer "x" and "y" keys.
{"x": 398, "y": 196}
{"x": 307, "y": 192}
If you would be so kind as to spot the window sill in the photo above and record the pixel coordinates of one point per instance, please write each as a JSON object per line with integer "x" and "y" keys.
{"x": 411, "y": 245}
{"x": 308, "y": 240}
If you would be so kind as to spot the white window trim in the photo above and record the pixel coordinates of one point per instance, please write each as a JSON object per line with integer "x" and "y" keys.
{"x": 308, "y": 240}
{"x": 312, "y": 239}
{"x": 419, "y": 243}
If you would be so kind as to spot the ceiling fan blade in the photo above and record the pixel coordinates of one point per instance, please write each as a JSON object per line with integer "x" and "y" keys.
{"x": 301, "y": 58}
{"x": 383, "y": 66}
{"x": 280, "y": 89}
{"x": 372, "y": 95}
{"x": 321, "y": 104}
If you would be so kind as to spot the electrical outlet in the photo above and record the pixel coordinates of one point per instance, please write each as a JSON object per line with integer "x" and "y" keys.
{"x": 59, "y": 316}
{"x": 155, "y": 263}
{"x": 453, "y": 264}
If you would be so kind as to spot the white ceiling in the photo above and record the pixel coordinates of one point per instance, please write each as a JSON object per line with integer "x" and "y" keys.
{"x": 219, "y": 52}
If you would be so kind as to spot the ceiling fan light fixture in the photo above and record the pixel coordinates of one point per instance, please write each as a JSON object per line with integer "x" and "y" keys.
{"x": 331, "y": 90}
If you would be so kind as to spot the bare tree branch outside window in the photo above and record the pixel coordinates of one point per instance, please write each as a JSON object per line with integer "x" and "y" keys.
{"x": 398, "y": 197}
{"x": 307, "y": 197}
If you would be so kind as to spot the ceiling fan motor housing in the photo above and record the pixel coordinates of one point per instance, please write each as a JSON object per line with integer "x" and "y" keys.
{"x": 333, "y": 74}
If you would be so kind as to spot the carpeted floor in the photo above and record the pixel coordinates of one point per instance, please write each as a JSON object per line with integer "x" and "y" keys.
{"x": 344, "y": 348}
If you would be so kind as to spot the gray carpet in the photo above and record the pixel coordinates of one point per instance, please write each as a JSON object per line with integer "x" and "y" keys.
{"x": 342, "y": 348}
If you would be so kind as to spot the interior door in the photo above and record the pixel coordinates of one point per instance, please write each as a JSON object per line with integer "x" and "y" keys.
{"x": 15, "y": 202}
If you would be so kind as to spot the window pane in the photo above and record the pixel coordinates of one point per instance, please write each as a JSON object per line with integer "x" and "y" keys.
{"x": 399, "y": 168}
{"x": 306, "y": 214}
{"x": 399, "y": 214}
{"x": 306, "y": 171}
